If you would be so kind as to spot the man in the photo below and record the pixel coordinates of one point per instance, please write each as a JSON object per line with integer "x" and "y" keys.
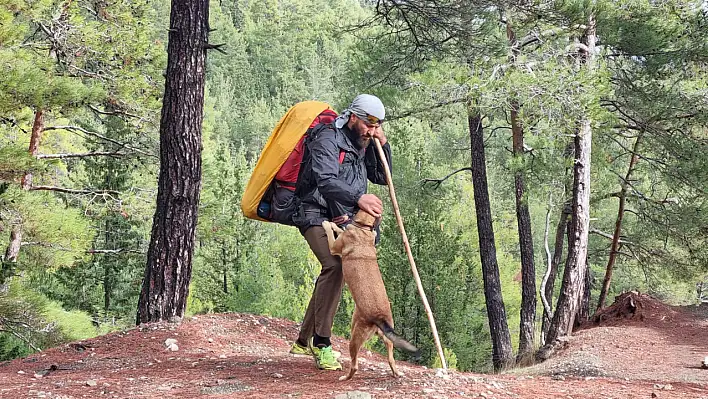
{"x": 338, "y": 160}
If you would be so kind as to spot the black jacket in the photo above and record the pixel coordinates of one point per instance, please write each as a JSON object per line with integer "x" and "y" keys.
{"x": 325, "y": 187}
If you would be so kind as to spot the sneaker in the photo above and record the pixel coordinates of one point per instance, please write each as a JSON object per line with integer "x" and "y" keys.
{"x": 298, "y": 349}
{"x": 311, "y": 348}
{"x": 325, "y": 360}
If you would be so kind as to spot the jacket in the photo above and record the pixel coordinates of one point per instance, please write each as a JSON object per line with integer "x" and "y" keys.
{"x": 327, "y": 188}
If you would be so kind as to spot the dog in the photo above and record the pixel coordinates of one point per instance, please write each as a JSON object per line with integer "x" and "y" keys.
{"x": 372, "y": 310}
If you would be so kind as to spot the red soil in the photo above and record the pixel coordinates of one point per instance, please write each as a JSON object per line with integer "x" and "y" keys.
{"x": 657, "y": 354}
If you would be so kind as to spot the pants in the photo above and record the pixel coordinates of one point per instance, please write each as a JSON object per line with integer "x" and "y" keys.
{"x": 328, "y": 288}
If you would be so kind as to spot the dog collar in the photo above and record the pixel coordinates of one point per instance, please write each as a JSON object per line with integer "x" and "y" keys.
{"x": 362, "y": 226}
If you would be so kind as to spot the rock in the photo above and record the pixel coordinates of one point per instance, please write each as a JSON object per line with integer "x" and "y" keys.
{"x": 353, "y": 395}
{"x": 277, "y": 375}
{"x": 210, "y": 340}
{"x": 705, "y": 363}
{"x": 173, "y": 348}
{"x": 20, "y": 372}
{"x": 169, "y": 342}
{"x": 441, "y": 373}
{"x": 668, "y": 387}
{"x": 91, "y": 383}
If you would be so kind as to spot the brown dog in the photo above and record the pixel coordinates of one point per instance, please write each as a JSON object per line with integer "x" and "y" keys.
{"x": 372, "y": 310}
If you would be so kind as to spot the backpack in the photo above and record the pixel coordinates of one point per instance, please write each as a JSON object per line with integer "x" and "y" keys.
{"x": 269, "y": 195}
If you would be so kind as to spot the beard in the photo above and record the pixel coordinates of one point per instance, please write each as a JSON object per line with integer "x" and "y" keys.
{"x": 363, "y": 141}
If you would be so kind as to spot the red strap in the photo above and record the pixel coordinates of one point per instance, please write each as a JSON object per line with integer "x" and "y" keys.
{"x": 341, "y": 156}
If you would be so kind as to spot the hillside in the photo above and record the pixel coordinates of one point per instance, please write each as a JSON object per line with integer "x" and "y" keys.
{"x": 654, "y": 351}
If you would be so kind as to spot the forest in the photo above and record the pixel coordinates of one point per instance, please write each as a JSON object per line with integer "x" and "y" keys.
{"x": 547, "y": 156}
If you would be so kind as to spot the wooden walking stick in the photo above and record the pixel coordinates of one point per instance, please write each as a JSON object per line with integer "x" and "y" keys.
{"x": 407, "y": 245}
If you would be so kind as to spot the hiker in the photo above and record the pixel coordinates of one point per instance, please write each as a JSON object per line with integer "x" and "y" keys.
{"x": 332, "y": 186}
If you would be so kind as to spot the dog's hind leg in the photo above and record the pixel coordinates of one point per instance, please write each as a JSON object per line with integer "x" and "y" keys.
{"x": 361, "y": 332}
{"x": 389, "y": 349}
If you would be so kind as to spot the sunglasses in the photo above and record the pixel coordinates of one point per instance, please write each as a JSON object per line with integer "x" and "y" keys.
{"x": 372, "y": 121}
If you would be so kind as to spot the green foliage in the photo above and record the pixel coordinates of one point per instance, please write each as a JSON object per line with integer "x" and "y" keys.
{"x": 30, "y": 321}
{"x": 450, "y": 359}
{"x": 15, "y": 162}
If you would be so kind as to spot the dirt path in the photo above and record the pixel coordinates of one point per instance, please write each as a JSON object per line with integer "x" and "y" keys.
{"x": 245, "y": 356}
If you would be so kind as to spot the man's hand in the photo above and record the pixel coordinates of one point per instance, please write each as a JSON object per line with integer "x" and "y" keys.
{"x": 379, "y": 134}
{"x": 371, "y": 204}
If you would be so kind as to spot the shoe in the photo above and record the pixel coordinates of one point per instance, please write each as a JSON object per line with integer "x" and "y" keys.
{"x": 311, "y": 348}
{"x": 298, "y": 349}
{"x": 325, "y": 360}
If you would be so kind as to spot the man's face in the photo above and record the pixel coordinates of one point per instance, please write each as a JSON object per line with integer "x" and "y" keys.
{"x": 364, "y": 131}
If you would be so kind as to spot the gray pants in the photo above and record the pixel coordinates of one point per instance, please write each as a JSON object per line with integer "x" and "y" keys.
{"x": 328, "y": 288}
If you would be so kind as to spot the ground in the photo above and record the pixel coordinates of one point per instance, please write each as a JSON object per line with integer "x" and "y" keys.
{"x": 640, "y": 349}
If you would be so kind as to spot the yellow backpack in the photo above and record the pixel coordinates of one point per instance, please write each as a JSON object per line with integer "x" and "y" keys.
{"x": 269, "y": 195}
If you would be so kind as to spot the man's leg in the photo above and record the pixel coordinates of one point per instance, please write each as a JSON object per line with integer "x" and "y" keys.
{"x": 327, "y": 293}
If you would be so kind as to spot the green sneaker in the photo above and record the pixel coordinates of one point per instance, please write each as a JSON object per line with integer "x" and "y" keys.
{"x": 298, "y": 349}
{"x": 311, "y": 346}
{"x": 324, "y": 358}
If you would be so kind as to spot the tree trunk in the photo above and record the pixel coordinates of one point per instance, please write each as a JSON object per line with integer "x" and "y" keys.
{"x": 169, "y": 263}
{"x": 224, "y": 265}
{"x": 561, "y": 229}
{"x": 107, "y": 264}
{"x": 553, "y": 269}
{"x": 614, "y": 248}
{"x": 527, "y": 326}
{"x": 576, "y": 263}
{"x": 502, "y": 355}
{"x": 35, "y": 139}
{"x": 583, "y": 313}
{"x": 13, "y": 247}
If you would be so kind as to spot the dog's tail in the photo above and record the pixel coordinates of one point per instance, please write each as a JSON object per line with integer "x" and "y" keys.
{"x": 397, "y": 340}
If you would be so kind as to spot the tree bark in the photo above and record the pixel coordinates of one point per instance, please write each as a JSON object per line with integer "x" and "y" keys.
{"x": 107, "y": 265}
{"x": 527, "y": 325}
{"x": 169, "y": 263}
{"x": 553, "y": 269}
{"x": 502, "y": 355}
{"x": 614, "y": 248}
{"x": 576, "y": 263}
{"x": 13, "y": 247}
{"x": 561, "y": 229}
{"x": 35, "y": 138}
{"x": 224, "y": 265}
{"x": 583, "y": 313}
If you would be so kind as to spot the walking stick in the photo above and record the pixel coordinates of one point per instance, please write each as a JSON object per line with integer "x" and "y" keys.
{"x": 407, "y": 245}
